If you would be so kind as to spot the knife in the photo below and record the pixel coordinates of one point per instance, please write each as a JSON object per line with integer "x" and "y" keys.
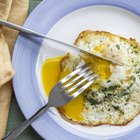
{"x": 36, "y": 34}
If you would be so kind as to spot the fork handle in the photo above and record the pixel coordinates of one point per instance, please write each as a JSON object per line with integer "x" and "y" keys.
{"x": 19, "y": 129}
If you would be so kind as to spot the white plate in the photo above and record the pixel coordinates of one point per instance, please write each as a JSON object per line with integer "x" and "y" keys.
{"x": 104, "y": 18}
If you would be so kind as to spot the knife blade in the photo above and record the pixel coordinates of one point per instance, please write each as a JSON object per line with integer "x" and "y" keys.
{"x": 36, "y": 34}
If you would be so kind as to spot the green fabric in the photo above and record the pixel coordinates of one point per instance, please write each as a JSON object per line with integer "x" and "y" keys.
{"x": 15, "y": 116}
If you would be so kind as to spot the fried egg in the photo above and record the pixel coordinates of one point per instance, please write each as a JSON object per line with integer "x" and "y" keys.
{"x": 114, "y": 98}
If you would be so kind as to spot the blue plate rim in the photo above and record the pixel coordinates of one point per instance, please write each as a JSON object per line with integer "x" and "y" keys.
{"x": 132, "y": 6}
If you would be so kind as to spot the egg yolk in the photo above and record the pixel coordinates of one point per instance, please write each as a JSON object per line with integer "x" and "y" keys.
{"x": 101, "y": 67}
{"x": 52, "y": 73}
{"x": 74, "y": 108}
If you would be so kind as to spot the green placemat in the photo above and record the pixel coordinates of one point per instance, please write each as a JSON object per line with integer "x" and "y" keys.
{"x": 15, "y": 115}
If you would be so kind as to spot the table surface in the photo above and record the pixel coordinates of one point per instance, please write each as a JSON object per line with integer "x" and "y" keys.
{"x": 16, "y": 116}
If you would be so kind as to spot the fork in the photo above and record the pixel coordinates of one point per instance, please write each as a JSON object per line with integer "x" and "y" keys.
{"x": 62, "y": 93}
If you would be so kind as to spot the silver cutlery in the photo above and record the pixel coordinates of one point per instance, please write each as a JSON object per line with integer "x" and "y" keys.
{"x": 62, "y": 93}
{"x": 36, "y": 34}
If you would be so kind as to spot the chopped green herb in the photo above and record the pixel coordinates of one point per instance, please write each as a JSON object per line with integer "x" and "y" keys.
{"x": 93, "y": 101}
{"x": 138, "y": 71}
{"x": 136, "y": 51}
{"x": 114, "y": 87}
{"x": 118, "y": 108}
{"x": 118, "y": 47}
{"x": 108, "y": 81}
{"x": 125, "y": 93}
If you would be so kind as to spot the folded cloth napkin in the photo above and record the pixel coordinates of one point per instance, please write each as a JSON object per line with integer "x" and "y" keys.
{"x": 6, "y": 71}
{"x": 14, "y": 11}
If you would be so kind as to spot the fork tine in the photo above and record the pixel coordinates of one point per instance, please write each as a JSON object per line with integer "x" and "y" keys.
{"x": 88, "y": 76}
{"x": 81, "y": 74}
{"x": 79, "y": 91}
{"x": 73, "y": 73}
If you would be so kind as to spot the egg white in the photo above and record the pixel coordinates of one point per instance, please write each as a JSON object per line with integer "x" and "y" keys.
{"x": 116, "y": 100}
